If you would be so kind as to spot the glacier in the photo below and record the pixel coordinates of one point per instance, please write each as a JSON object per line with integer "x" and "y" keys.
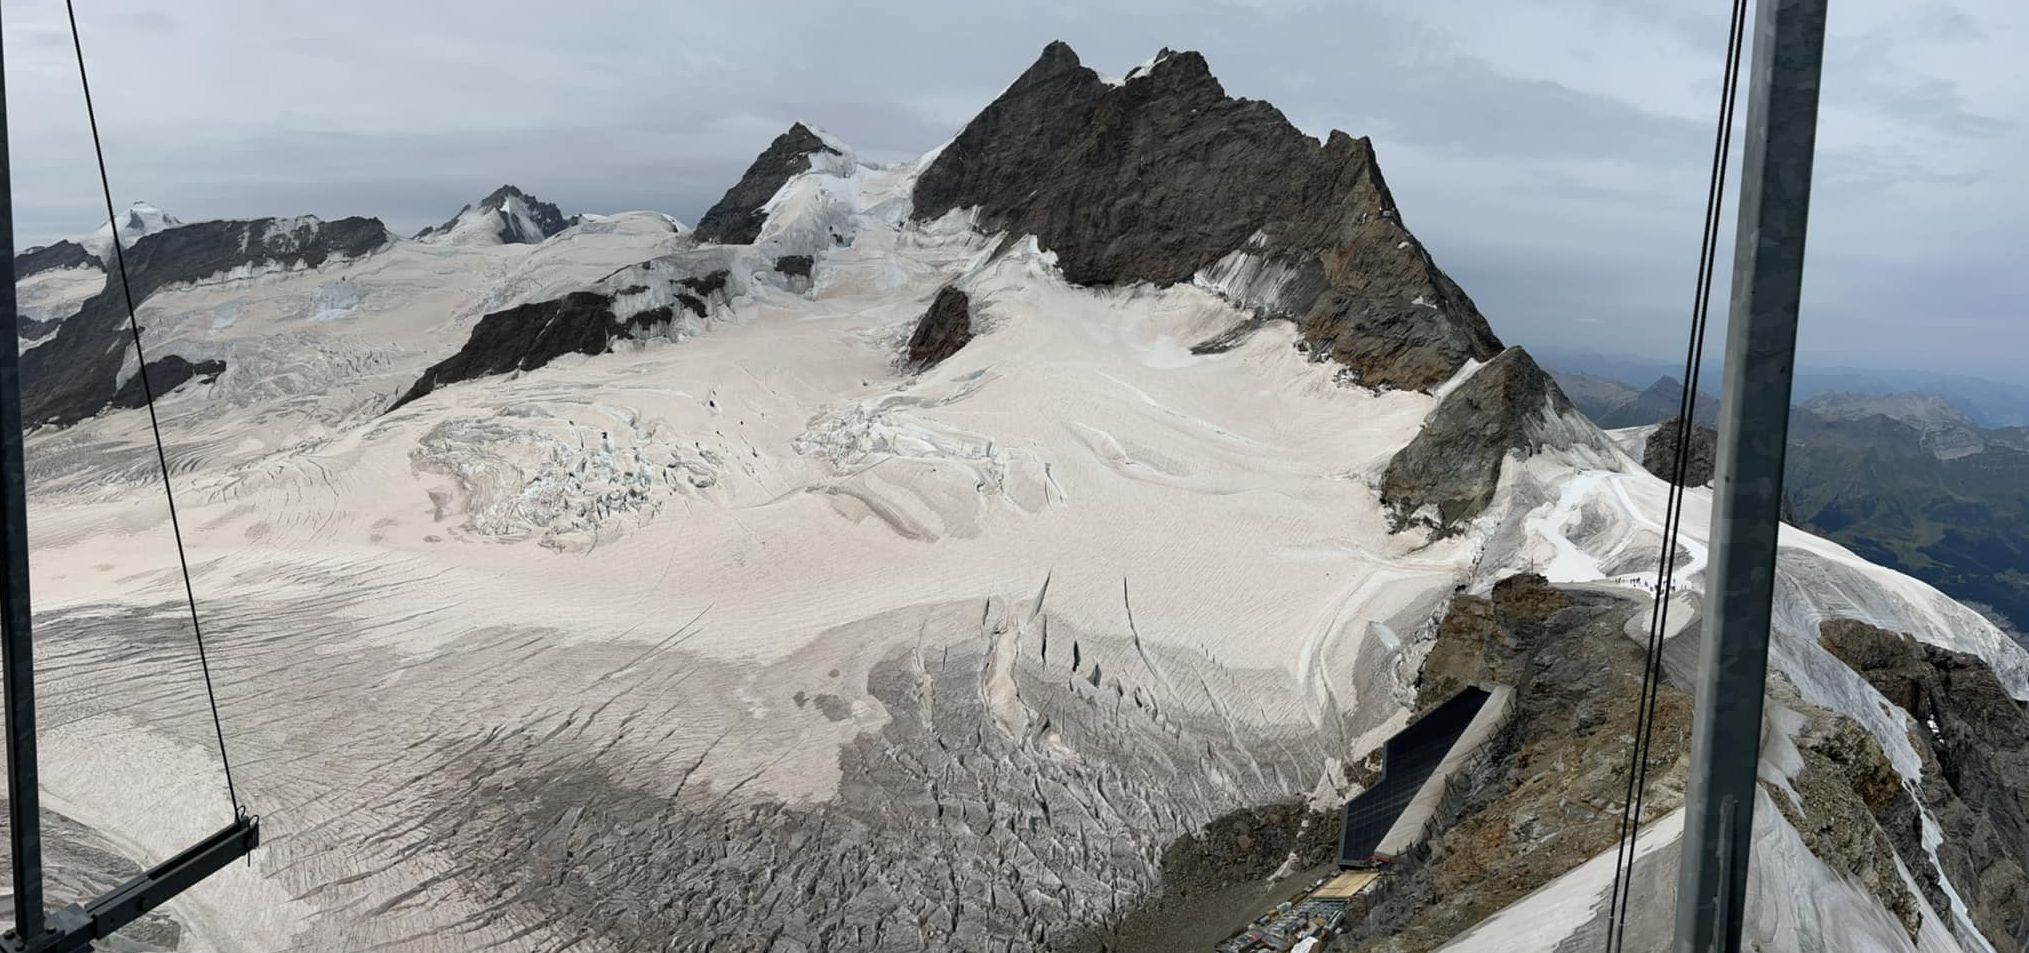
{"x": 751, "y": 638}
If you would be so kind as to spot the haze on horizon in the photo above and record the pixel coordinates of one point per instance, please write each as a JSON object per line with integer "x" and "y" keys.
{"x": 1552, "y": 154}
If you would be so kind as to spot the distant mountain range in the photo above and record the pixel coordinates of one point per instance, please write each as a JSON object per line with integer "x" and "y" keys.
{"x": 1907, "y": 480}
{"x": 1988, "y": 403}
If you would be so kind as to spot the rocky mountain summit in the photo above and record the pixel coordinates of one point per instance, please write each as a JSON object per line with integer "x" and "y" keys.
{"x": 1448, "y": 474}
{"x": 1164, "y": 178}
{"x": 506, "y": 216}
{"x": 737, "y": 217}
{"x": 1028, "y": 548}
{"x": 1659, "y": 452}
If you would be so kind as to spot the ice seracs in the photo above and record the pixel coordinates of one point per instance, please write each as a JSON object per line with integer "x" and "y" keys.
{"x": 669, "y": 544}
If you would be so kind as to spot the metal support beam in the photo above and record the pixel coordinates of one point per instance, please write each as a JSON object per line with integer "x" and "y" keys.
{"x": 74, "y": 928}
{"x": 1782, "y": 119}
{"x": 17, "y": 655}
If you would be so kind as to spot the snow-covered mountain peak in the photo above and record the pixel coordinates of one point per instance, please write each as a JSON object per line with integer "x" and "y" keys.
{"x": 922, "y": 514}
{"x": 737, "y": 217}
{"x": 137, "y": 220}
{"x": 506, "y": 216}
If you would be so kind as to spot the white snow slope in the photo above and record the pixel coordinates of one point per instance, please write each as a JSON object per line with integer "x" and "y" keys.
{"x": 689, "y": 568}
{"x": 139, "y": 219}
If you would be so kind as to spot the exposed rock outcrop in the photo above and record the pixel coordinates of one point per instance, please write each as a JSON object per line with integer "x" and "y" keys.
{"x": 1165, "y": 178}
{"x": 1222, "y": 876}
{"x": 507, "y": 215}
{"x": 77, "y": 373}
{"x": 1549, "y": 793}
{"x": 63, "y": 254}
{"x": 942, "y": 330}
{"x": 166, "y": 375}
{"x": 1659, "y": 455}
{"x": 795, "y": 266}
{"x": 1448, "y": 474}
{"x": 1974, "y": 740}
{"x": 529, "y": 336}
{"x": 737, "y": 217}
{"x": 1853, "y": 813}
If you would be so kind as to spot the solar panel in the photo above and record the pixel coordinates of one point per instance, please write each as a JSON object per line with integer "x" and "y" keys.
{"x": 1407, "y": 761}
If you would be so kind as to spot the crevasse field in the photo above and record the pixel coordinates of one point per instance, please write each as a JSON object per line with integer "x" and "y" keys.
{"x": 747, "y": 637}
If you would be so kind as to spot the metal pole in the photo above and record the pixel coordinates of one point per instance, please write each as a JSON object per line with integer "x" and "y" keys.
{"x": 1768, "y": 264}
{"x": 17, "y": 657}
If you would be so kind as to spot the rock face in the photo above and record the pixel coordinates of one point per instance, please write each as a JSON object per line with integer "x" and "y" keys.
{"x": 943, "y": 329}
{"x": 35, "y": 261}
{"x": 1165, "y": 177}
{"x": 1659, "y": 456}
{"x": 737, "y": 218}
{"x": 529, "y": 336}
{"x": 507, "y": 214}
{"x": 583, "y": 322}
{"x": 76, "y": 374}
{"x": 1853, "y": 813}
{"x": 1549, "y": 794}
{"x": 1974, "y": 740}
{"x": 1448, "y": 474}
{"x": 63, "y": 254}
{"x": 164, "y": 376}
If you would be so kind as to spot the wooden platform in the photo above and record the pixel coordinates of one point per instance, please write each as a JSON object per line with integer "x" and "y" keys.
{"x": 1346, "y": 886}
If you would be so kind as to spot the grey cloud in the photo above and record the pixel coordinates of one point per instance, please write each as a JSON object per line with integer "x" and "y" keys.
{"x": 1570, "y": 214}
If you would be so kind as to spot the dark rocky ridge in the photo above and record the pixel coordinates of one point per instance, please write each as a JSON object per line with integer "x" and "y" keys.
{"x": 1547, "y": 791}
{"x": 529, "y": 336}
{"x": 547, "y": 218}
{"x": 1160, "y": 177}
{"x": 737, "y": 217}
{"x": 1974, "y": 740}
{"x": 1659, "y": 454}
{"x": 1454, "y": 464}
{"x": 943, "y": 329}
{"x": 165, "y": 375}
{"x": 76, "y": 374}
{"x": 63, "y": 254}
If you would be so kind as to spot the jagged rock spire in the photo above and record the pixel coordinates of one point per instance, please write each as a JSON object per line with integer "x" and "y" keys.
{"x": 1165, "y": 177}
{"x": 737, "y": 217}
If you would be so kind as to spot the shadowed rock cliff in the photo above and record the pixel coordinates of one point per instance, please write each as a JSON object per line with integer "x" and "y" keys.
{"x": 1165, "y": 177}
{"x": 737, "y": 217}
{"x": 945, "y": 328}
{"x": 77, "y": 374}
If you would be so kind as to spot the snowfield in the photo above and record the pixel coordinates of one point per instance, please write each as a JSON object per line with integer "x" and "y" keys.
{"x": 695, "y": 631}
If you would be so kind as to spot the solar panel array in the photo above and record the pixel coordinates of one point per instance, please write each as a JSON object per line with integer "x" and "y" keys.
{"x": 1407, "y": 761}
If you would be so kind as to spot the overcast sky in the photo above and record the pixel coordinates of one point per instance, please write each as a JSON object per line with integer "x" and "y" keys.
{"x": 1551, "y": 153}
